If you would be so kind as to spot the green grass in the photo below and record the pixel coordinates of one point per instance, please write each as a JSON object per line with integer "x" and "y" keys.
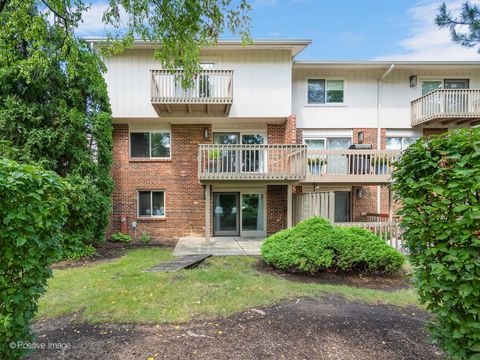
{"x": 119, "y": 290}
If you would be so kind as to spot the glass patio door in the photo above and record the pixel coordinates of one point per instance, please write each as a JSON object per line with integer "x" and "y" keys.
{"x": 226, "y": 159}
{"x": 337, "y": 164}
{"x": 253, "y": 160}
{"x": 252, "y": 213}
{"x": 342, "y": 206}
{"x": 226, "y": 214}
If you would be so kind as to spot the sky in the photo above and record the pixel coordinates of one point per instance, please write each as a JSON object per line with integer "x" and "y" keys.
{"x": 345, "y": 30}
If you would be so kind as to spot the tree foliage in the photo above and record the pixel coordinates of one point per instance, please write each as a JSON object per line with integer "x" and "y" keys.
{"x": 32, "y": 212}
{"x": 438, "y": 182}
{"x": 55, "y": 112}
{"x": 464, "y": 28}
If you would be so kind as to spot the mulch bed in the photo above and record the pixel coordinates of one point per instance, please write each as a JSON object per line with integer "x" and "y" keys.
{"x": 106, "y": 251}
{"x": 376, "y": 282}
{"x": 330, "y": 328}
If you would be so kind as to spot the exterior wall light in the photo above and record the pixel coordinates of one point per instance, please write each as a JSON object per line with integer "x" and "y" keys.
{"x": 205, "y": 133}
{"x": 360, "y": 137}
{"x": 359, "y": 193}
{"x": 413, "y": 81}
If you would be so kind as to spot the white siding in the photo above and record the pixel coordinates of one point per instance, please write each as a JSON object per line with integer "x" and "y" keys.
{"x": 360, "y": 108}
{"x": 261, "y": 82}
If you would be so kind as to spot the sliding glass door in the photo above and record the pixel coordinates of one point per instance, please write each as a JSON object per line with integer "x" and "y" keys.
{"x": 253, "y": 209}
{"x": 226, "y": 214}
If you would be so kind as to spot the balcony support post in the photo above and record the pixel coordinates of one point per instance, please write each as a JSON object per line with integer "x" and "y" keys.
{"x": 390, "y": 204}
{"x": 207, "y": 214}
{"x": 289, "y": 205}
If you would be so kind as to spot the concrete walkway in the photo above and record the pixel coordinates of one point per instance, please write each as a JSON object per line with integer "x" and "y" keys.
{"x": 222, "y": 246}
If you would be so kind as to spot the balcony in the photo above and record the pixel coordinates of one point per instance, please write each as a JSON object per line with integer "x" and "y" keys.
{"x": 252, "y": 162}
{"x": 443, "y": 107}
{"x": 366, "y": 167}
{"x": 211, "y": 93}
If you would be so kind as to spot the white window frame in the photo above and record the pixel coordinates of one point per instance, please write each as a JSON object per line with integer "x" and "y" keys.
{"x": 151, "y": 204}
{"x": 442, "y": 80}
{"x": 326, "y": 104}
{"x": 325, "y": 139}
{"x": 150, "y": 132}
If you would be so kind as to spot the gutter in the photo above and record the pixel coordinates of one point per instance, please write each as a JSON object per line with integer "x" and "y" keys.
{"x": 379, "y": 129}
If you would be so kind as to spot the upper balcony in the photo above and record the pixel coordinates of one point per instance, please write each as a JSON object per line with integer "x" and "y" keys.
{"x": 273, "y": 162}
{"x": 211, "y": 93}
{"x": 366, "y": 167}
{"x": 445, "y": 106}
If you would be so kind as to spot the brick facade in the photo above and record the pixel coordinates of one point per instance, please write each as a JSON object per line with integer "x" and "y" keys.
{"x": 276, "y": 208}
{"x": 184, "y": 194}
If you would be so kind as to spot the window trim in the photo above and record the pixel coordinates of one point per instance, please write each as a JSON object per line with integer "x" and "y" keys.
{"x": 442, "y": 79}
{"x": 326, "y": 104}
{"x": 151, "y": 204}
{"x": 150, "y": 132}
{"x": 325, "y": 139}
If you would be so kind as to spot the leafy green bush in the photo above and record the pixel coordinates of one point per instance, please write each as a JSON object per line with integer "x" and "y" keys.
{"x": 78, "y": 252}
{"x": 438, "y": 182}
{"x": 315, "y": 245}
{"x": 144, "y": 237}
{"x": 33, "y": 210}
{"x": 119, "y": 237}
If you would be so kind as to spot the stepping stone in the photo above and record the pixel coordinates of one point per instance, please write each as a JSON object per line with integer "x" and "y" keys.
{"x": 182, "y": 262}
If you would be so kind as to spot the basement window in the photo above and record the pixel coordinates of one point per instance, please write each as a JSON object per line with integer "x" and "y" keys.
{"x": 150, "y": 145}
{"x": 151, "y": 203}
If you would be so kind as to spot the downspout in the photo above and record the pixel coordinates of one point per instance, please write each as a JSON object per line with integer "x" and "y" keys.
{"x": 379, "y": 128}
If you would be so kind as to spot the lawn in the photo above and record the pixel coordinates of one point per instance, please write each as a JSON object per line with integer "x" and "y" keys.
{"x": 120, "y": 290}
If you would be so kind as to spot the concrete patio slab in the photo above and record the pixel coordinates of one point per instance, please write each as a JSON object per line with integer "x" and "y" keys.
{"x": 218, "y": 246}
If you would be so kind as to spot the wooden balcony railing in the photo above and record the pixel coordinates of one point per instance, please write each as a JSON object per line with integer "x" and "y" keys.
{"x": 252, "y": 162}
{"x": 350, "y": 166}
{"x": 209, "y": 86}
{"x": 448, "y": 106}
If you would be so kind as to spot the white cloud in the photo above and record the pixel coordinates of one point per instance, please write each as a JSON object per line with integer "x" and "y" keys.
{"x": 92, "y": 24}
{"x": 426, "y": 41}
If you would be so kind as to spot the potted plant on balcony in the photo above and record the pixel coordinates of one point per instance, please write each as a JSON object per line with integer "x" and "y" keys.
{"x": 214, "y": 160}
{"x": 317, "y": 166}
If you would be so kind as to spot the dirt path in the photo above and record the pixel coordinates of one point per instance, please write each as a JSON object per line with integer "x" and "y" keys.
{"x": 302, "y": 329}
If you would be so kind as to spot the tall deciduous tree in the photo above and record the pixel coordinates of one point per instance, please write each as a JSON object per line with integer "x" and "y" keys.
{"x": 54, "y": 108}
{"x": 464, "y": 28}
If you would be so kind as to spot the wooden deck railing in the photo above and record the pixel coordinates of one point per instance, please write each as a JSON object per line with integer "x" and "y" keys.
{"x": 252, "y": 162}
{"x": 350, "y": 166}
{"x": 445, "y": 104}
{"x": 209, "y": 87}
{"x": 388, "y": 231}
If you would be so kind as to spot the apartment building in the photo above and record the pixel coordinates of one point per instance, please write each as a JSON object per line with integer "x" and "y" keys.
{"x": 262, "y": 141}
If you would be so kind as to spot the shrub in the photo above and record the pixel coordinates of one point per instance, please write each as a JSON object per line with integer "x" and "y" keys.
{"x": 315, "y": 245}
{"x": 78, "y": 252}
{"x": 144, "y": 237}
{"x": 119, "y": 237}
{"x": 438, "y": 182}
{"x": 33, "y": 210}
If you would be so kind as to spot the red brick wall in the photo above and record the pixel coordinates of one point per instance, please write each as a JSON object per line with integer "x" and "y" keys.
{"x": 433, "y": 131}
{"x": 184, "y": 195}
{"x": 276, "y": 208}
{"x": 285, "y": 133}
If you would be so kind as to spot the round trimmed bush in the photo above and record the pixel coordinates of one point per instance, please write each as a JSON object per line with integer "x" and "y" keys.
{"x": 316, "y": 245}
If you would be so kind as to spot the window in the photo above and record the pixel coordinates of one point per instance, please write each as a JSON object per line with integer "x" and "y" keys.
{"x": 151, "y": 203}
{"x": 431, "y": 85}
{"x": 400, "y": 143}
{"x": 150, "y": 144}
{"x": 321, "y": 91}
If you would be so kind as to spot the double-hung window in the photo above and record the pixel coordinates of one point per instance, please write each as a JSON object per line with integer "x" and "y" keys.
{"x": 150, "y": 145}
{"x": 325, "y": 91}
{"x": 151, "y": 203}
